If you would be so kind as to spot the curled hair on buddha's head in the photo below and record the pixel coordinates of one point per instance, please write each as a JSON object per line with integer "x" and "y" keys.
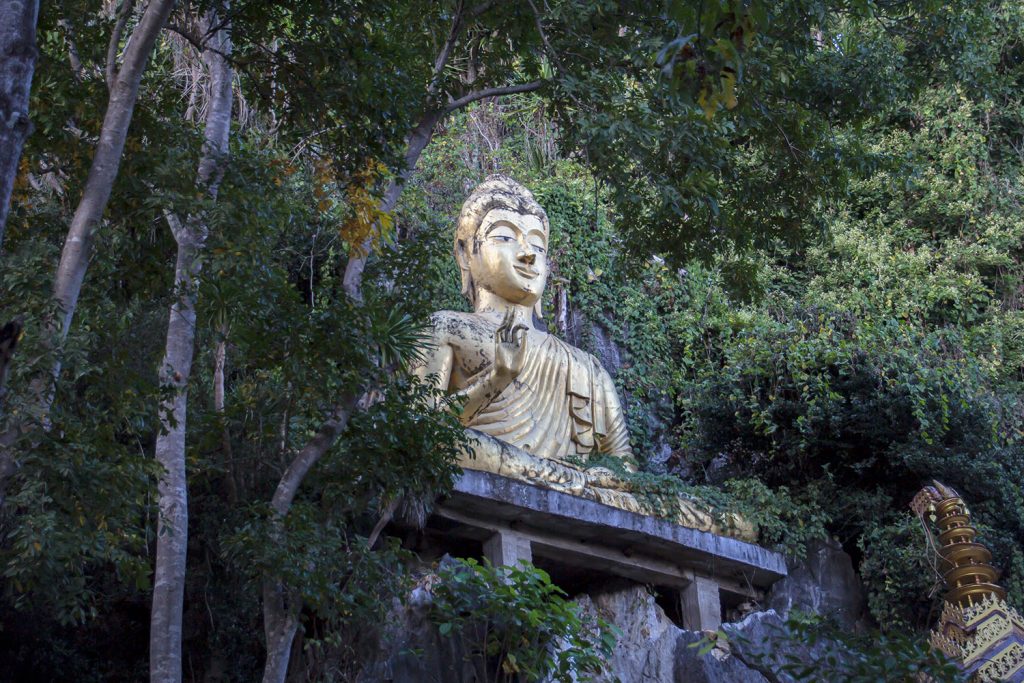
{"x": 495, "y": 192}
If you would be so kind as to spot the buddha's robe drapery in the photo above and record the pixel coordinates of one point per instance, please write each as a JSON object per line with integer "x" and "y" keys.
{"x": 563, "y": 403}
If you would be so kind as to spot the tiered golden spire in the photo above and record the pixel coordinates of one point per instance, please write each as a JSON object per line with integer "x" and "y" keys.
{"x": 965, "y": 563}
{"x": 977, "y": 627}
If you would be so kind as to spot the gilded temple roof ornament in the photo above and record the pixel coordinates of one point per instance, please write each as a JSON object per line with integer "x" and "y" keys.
{"x": 977, "y": 628}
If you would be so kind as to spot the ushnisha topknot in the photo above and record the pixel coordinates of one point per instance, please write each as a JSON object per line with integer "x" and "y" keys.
{"x": 497, "y": 191}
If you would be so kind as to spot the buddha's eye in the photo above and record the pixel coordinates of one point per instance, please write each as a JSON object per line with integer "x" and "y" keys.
{"x": 502, "y": 233}
{"x": 538, "y": 248}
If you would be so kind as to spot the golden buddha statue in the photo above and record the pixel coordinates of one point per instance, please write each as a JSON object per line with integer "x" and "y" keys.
{"x": 533, "y": 404}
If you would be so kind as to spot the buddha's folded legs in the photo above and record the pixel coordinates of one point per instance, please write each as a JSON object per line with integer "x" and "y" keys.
{"x": 492, "y": 455}
{"x": 682, "y": 511}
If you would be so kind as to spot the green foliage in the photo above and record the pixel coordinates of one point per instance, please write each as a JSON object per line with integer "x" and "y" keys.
{"x": 783, "y": 522}
{"x": 857, "y": 414}
{"x": 885, "y": 353}
{"x": 810, "y": 387}
{"x": 808, "y": 649}
{"x": 518, "y": 626}
{"x": 347, "y": 588}
{"x": 791, "y": 230}
{"x": 738, "y": 137}
{"x": 902, "y": 580}
{"x": 826, "y": 385}
{"x": 78, "y": 524}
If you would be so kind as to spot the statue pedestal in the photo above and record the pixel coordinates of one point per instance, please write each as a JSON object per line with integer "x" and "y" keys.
{"x": 581, "y": 542}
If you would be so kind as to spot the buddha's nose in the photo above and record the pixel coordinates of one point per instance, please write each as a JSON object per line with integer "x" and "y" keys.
{"x": 527, "y": 257}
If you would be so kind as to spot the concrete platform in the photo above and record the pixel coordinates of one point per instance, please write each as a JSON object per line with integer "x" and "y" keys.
{"x": 516, "y": 521}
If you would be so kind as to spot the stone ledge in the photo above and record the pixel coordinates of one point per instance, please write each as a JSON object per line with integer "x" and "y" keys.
{"x": 636, "y": 546}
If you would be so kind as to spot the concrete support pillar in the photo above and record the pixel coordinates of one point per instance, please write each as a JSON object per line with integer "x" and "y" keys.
{"x": 701, "y": 605}
{"x": 507, "y": 547}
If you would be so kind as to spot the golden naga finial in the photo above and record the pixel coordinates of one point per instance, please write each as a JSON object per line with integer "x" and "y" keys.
{"x": 977, "y": 626}
{"x": 964, "y": 563}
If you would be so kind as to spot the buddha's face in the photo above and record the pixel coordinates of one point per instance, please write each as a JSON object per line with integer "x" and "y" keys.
{"x": 510, "y": 256}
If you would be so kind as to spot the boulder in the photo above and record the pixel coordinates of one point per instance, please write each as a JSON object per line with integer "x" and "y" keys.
{"x": 762, "y": 642}
{"x": 823, "y": 583}
{"x": 650, "y": 647}
{"x": 716, "y": 666}
{"x": 646, "y": 647}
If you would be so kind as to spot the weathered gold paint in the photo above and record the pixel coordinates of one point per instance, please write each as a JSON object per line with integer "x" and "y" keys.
{"x": 529, "y": 399}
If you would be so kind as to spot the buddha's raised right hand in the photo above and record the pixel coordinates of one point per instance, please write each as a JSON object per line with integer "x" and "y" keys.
{"x": 509, "y": 348}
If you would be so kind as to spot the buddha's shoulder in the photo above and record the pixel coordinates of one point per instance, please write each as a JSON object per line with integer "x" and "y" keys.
{"x": 454, "y": 325}
{"x": 582, "y": 357}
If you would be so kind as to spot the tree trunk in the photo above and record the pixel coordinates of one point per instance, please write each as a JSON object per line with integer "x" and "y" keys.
{"x": 10, "y": 335}
{"x": 220, "y": 356}
{"x": 418, "y": 140}
{"x": 17, "y": 64}
{"x": 562, "y": 310}
{"x": 105, "y": 164}
{"x": 421, "y": 135}
{"x": 172, "y": 526}
{"x": 190, "y": 234}
{"x": 78, "y": 243}
{"x": 352, "y": 281}
{"x": 281, "y": 607}
{"x": 280, "y": 624}
{"x": 281, "y": 610}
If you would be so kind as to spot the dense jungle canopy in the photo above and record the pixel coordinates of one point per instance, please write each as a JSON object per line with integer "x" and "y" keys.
{"x": 790, "y": 229}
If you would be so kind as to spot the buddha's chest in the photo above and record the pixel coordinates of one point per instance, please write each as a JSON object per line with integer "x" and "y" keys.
{"x": 474, "y": 352}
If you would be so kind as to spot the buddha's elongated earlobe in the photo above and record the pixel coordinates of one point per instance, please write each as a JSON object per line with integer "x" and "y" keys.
{"x": 461, "y": 258}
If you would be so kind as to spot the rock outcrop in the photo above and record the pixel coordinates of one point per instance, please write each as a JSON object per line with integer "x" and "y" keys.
{"x": 823, "y": 583}
{"x": 650, "y": 647}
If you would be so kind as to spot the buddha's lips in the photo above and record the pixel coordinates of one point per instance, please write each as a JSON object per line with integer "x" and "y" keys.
{"x": 526, "y": 272}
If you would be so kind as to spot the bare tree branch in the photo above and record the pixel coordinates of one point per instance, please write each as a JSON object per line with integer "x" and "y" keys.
{"x": 550, "y": 51}
{"x": 193, "y": 40}
{"x": 311, "y": 453}
{"x": 492, "y": 92}
{"x": 386, "y": 516}
{"x": 200, "y": 43}
{"x": 352, "y": 281}
{"x": 446, "y": 51}
{"x": 421, "y": 135}
{"x": 419, "y": 138}
{"x": 281, "y": 605}
{"x": 69, "y": 38}
{"x": 124, "y": 11}
{"x": 482, "y": 8}
{"x": 219, "y": 366}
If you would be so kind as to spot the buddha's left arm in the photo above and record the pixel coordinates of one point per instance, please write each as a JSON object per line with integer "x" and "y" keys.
{"x": 615, "y": 441}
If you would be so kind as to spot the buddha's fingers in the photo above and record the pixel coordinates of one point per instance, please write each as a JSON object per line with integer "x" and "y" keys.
{"x": 519, "y": 337}
{"x": 502, "y": 334}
